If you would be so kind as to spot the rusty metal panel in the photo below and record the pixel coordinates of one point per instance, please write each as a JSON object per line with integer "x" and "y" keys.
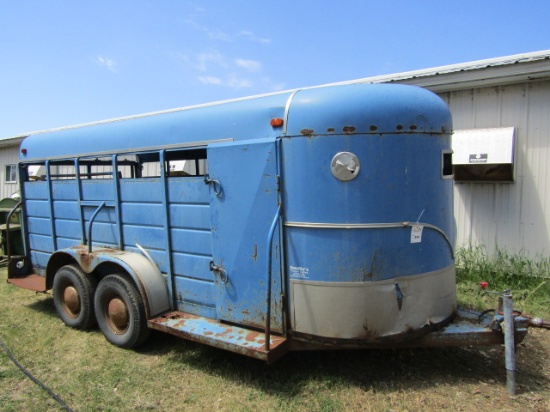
{"x": 210, "y": 332}
{"x": 33, "y": 282}
{"x": 471, "y": 328}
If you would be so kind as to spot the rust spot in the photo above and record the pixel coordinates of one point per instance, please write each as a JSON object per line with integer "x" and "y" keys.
{"x": 307, "y": 132}
{"x": 85, "y": 259}
{"x": 330, "y": 130}
{"x": 413, "y": 127}
{"x": 399, "y": 127}
{"x": 367, "y": 275}
{"x": 348, "y": 129}
{"x": 373, "y": 128}
{"x": 251, "y": 337}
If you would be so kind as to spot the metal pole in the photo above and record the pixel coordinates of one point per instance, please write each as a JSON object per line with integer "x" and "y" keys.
{"x": 90, "y": 227}
{"x": 509, "y": 344}
{"x": 269, "y": 260}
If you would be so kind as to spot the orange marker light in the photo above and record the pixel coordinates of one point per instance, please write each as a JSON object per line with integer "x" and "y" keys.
{"x": 277, "y": 122}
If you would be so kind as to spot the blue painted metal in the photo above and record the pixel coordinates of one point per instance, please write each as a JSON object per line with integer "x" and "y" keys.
{"x": 241, "y": 219}
{"x": 399, "y": 135}
{"x": 165, "y": 201}
{"x": 118, "y": 215}
{"x": 79, "y": 198}
{"x": 229, "y": 337}
{"x": 217, "y": 254}
{"x": 244, "y": 119}
{"x": 357, "y": 233}
{"x": 90, "y": 225}
{"x": 269, "y": 271}
{"x": 50, "y": 208}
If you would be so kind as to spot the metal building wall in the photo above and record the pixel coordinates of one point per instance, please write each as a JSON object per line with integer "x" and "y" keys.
{"x": 511, "y": 216}
{"x": 8, "y": 155}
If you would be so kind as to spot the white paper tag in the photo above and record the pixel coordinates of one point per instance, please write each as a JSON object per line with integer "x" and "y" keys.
{"x": 416, "y": 233}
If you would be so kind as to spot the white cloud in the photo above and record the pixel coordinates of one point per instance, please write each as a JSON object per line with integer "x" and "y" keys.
{"x": 250, "y": 65}
{"x": 203, "y": 61}
{"x": 237, "y": 82}
{"x": 106, "y": 62}
{"x": 216, "y": 69}
{"x": 232, "y": 80}
{"x": 251, "y": 36}
{"x": 211, "y": 80}
{"x": 216, "y": 34}
{"x": 210, "y": 58}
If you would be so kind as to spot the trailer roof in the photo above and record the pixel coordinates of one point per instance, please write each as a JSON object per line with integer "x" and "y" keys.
{"x": 337, "y": 109}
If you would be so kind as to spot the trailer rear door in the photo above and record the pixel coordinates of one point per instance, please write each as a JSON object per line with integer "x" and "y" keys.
{"x": 244, "y": 200}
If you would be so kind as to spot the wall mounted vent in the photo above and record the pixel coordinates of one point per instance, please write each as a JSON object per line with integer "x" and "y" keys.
{"x": 484, "y": 155}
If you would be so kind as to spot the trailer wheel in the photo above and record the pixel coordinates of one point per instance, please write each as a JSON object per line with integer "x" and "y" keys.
{"x": 73, "y": 297}
{"x": 120, "y": 312}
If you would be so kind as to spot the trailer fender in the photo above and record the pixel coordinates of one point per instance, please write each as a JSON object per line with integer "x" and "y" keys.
{"x": 145, "y": 274}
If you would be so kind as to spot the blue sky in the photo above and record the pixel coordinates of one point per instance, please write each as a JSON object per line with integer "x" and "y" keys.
{"x": 66, "y": 62}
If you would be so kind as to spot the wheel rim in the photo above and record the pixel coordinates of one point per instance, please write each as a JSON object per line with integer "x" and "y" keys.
{"x": 71, "y": 301}
{"x": 117, "y": 315}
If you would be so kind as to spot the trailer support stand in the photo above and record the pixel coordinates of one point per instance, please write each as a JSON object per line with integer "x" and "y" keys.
{"x": 509, "y": 345}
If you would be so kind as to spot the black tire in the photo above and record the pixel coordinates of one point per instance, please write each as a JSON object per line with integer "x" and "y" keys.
{"x": 120, "y": 312}
{"x": 73, "y": 297}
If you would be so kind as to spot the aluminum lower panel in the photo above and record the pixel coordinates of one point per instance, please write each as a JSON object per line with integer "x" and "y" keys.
{"x": 370, "y": 310}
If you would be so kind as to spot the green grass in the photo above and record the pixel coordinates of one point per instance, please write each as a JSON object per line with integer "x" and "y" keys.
{"x": 527, "y": 278}
{"x": 170, "y": 374}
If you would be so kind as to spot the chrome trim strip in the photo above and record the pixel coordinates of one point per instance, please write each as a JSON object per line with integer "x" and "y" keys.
{"x": 346, "y": 225}
{"x": 287, "y": 109}
{"x": 315, "y": 225}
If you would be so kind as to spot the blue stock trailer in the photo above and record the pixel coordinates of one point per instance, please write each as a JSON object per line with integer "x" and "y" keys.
{"x": 308, "y": 219}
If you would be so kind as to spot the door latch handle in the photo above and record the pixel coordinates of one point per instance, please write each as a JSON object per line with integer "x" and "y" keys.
{"x": 222, "y": 273}
{"x": 216, "y": 186}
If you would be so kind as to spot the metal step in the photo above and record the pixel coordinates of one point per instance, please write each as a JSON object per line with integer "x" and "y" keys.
{"x": 35, "y": 283}
{"x": 211, "y": 332}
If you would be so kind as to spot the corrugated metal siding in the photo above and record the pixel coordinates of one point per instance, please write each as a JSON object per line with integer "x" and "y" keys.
{"x": 511, "y": 216}
{"x": 8, "y": 155}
